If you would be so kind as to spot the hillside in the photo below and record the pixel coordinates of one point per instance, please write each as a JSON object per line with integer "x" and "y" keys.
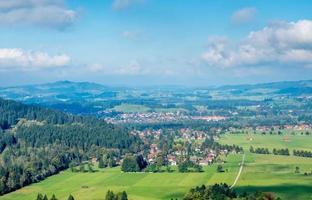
{"x": 36, "y": 142}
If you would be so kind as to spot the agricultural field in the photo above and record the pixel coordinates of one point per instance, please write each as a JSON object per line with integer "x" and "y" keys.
{"x": 286, "y": 140}
{"x": 274, "y": 173}
{"x": 139, "y": 186}
{"x": 267, "y": 173}
{"x": 131, "y": 108}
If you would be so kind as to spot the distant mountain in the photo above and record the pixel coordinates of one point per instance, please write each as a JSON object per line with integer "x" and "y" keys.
{"x": 285, "y": 87}
{"x": 74, "y": 97}
{"x": 87, "y": 98}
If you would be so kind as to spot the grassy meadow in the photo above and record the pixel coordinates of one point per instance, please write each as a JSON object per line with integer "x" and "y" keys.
{"x": 268, "y": 173}
{"x": 272, "y": 173}
{"x": 131, "y": 108}
{"x": 139, "y": 186}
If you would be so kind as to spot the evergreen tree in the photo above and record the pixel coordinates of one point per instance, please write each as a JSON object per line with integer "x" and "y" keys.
{"x": 101, "y": 163}
{"x": 123, "y": 196}
{"x": 70, "y": 197}
{"x": 45, "y": 197}
{"x": 53, "y": 197}
{"x": 110, "y": 195}
{"x": 39, "y": 196}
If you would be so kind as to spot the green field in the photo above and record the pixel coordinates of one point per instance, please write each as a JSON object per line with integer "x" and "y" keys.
{"x": 268, "y": 173}
{"x": 139, "y": 186}
{"x": 273, "y": 173}
{"x": 131, "y": 108}
{"x": 289, "y": 141}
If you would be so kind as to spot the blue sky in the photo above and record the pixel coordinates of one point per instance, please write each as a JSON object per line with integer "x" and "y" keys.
{"x": 155, "y": 42}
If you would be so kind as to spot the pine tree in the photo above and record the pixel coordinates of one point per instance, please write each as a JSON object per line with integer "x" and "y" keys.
{"x": 53, "y": 197}
{"x": 70, "y": 197}
{"x": 123, "y": 196}
{"x": 45, "y": 197}
{"x": 101, "y": 163}
{"x": 110, "y": 195}
{"x": 39, "y": 196}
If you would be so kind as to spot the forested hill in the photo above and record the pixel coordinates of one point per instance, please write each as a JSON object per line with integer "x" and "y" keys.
{"x": 37, "y": 142}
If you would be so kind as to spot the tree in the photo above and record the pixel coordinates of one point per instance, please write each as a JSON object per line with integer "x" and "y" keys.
{"x": 198, "y": 168}
{"x": 130, "y": 164}
{"x": 123, "y": 196}
{"x": 110, "y": 195}
{"x": 182, "y": 167}
{"x": 53, "y": 197}
{"x": 220, "y": 168}
{"x": 111, "y": 162}
{"x": 141, "y": 162}
{"x": 251, "y": 149}
{"x": 90, "y": 169}
{"x": 70, "y": 197}
{"x": 72, "y": 167}
{"x": 297, "y": 170}
{"x": 81, "y": 167}
{"x": 101, "y": 163}
{"x": 39, "y": 196}
{"x": 45, "y": 197}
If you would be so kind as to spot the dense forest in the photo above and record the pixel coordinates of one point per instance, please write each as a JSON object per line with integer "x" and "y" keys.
{"x": 37, "y": 142}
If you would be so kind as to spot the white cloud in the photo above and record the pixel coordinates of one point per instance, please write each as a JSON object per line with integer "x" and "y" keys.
{"x": 278, "y": 43}
{"x": 48, "y": 13}
{"x": 123, "y": 4}
{"x": 18, "y": 59}
{"x": 243, "y": 15}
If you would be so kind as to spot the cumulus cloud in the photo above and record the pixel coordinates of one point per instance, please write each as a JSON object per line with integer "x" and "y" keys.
{"x": 18, "y": 59}
{"x": 123, "y": 4}
{"x": 278, "y": 43}
{"x": 47, "y": 13}
{"x": 243, "y": 15}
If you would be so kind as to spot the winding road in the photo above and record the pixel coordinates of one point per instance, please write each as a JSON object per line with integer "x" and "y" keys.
{"x": 240, "y": 171}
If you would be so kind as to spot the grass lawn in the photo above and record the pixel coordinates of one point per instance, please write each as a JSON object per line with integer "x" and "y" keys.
{"x": 139, "y": 186}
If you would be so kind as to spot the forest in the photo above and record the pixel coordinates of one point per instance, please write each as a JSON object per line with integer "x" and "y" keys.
{"x": 37, "y": 142}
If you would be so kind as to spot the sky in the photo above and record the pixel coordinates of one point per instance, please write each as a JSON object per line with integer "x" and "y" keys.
{"x": 155, "y": 42}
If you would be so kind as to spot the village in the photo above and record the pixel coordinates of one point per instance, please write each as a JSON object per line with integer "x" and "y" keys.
{"x": 158, "y": 117}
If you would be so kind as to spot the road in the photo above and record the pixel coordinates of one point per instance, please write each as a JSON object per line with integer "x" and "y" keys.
{"x": 240, "y": 171}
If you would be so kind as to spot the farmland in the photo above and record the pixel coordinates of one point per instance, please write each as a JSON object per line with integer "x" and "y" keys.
{"x": 258, "y": 169}
{"x": 273, "y": 173}
{"x": 139, "y": 186}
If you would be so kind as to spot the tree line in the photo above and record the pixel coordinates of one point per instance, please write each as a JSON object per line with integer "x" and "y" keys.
{"x": 224, "y": 192}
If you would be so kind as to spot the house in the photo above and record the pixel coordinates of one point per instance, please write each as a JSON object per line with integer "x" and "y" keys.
{"x": 94, "y": 160}
{"x": 172, "y": 160}
{"x": 204, "y": 162}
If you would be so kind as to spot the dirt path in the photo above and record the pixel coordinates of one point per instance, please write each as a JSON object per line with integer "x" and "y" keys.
{"x": 240, "y": 171}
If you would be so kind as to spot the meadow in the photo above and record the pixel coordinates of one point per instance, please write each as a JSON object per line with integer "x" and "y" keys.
{"x": 272, "y": 173}
{"x": 268, "y": 173}
{"x": 131, "y": 108}
{"x": 139, "y": 186}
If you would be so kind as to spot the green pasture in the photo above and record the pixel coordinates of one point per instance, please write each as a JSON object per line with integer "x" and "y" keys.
{"x": 139, "y": 186}
{"x": 131, "y": 108}
{"x": 271, "y": 173}
{"x": 268, "y": 173}
{"x": 298, "y": 141}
